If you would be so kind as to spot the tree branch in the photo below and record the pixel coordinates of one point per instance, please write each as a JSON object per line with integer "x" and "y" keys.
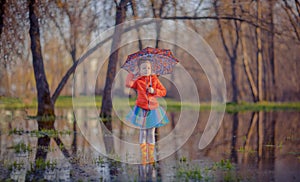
{"x": 297, "y": 7}
{"x": 82, "y": 58}
{"x": 254, "y": 24}
{"x": 210, "y": 17}
{"x": 60, "y": 32}
{"x": 237, "y": 36}
{"x": 292, "y": 15}
{"x": 221, "y": 31}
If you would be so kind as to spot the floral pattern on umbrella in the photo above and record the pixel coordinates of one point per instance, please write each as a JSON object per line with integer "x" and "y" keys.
{"x": 162, "y": 60}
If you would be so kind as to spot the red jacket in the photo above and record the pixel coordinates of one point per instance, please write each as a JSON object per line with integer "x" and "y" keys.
{"x": 146, "y": 100}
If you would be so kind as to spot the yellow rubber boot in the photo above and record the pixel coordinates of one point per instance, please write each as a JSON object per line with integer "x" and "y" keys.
{"x": 151, "y": 148}
{"x": 143, "y": 147}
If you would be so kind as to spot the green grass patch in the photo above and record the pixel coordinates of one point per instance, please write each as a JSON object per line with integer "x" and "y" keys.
{"x": 190, "y": 174}
{"x": 21, "y": 148}
{"x": 243, "y": 150}
{"x": 170, "y": 104}
{"x": 261, "y": 106}
{"x": 224, "y": 165}
{"x": 41, "y": 133}
{"x": 16, "y": 165}
{"x": 11, "y": 103}
{"x": 41, "y": 164}
{"x": 81, "y": 101}
{"x": 223, "y": 170}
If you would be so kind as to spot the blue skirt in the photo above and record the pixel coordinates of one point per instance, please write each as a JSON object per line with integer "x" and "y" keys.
{"x": 147, "y": 118}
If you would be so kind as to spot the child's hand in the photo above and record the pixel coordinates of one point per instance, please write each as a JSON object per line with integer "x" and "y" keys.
{"x": 151, "y": 90}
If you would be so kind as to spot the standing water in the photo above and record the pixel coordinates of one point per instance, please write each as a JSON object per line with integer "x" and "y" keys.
{"x": 250, "y": 146}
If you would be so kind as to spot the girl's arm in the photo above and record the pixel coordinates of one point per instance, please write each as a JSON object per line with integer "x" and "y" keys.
{"x": 160, "y": 90}
{"x": 130, "y": 82}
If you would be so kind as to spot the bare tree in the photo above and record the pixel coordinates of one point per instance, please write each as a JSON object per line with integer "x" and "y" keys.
{"x": 157, "y": 14}
{"x": 271, "y": 53}
{"x": 135, "y": 16}
{"x": 259, "y": 54}
{"x": 230, "y": 46}
{"x": 82, "y": 18}
{"x": 247, "y": 67}
{"x": 45, "y": 104}
{"x": 228, "y": 14}
{"x": 106, "y": 107}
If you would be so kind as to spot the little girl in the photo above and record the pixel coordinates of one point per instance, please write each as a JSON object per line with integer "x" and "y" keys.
{"x": 146, "y": 114}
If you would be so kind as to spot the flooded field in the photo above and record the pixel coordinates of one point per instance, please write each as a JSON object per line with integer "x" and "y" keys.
{"x": 250, "y": 146}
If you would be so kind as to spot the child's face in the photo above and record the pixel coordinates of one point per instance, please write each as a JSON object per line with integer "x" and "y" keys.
{"x": 145, "y": 69}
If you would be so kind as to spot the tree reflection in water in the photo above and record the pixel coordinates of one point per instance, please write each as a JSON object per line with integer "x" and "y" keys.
{"x": 262, "y": 145}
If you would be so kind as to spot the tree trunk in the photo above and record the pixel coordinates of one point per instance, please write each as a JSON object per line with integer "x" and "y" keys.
{"x": 260, "y": 134}
{"x": 45, "y": 105}
{"x": 251, "y": 130}
{"x": 5, "y": 80}
{"x": 135, "y": 16}
{"x": 2, "y": 4}
{"x": 43, "y": 146}
{"x": 234, "y": 80}
{"x": 272, "y": 52}
{"x": 234, "y": 132}
{"x": 231, "y": 55}
{"x": 74, "y": 142}
{"x": 246, "y": 63}
{"x": 158, "y": 23}
{"x": 269, "y": 137}
{"x": 259, "y": 54}
{"x": 106, "y": 108}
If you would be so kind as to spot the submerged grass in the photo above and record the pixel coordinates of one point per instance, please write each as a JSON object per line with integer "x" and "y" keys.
{"x": 42, "y": 164}
{"x": 223, "y": 170}
{"x": 170, "y": 104}
{"x": 22, "y": 148}
{"x": 41, "y": 133}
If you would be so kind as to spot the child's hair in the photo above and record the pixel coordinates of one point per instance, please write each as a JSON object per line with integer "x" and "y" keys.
{"x": 144, "y": 60}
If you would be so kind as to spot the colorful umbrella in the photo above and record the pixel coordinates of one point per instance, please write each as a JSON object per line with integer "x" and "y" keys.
{"x": 162, "y": 60}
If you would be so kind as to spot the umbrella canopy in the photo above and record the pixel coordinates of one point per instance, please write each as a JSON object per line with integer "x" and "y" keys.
{"x": 162, "y": 60}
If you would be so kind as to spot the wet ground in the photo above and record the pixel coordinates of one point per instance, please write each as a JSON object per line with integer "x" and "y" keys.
{"x": 259, "y": 146}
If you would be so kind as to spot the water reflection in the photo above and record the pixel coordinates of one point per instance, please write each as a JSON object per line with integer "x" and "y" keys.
{"x": 147, "y": 173}
{"x": 264, "y": 146}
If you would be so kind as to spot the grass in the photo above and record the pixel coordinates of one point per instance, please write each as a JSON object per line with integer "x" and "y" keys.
{"x": 224, "y": 165}
{"x": 223, "y": 170}
{"x": 243, "y": 150}
{"x": 41, "y": 164}
{"x": 261, "y": 106}
{"x": 42, "y": 133}
{"x": 11, "y": 103}
{"x": 194, "y": 174}
{"x": 16, "y": 165}
{"x": 21, "y": 148}
{"x": 172, "y": 105}
{"x": 186, "y": 171}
